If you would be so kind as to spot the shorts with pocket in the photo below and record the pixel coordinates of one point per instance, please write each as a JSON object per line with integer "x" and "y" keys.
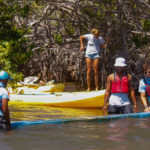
{"x": 114, "y": 109}
{"x": 92, "y": 56}
{"x": 3, "y": 123}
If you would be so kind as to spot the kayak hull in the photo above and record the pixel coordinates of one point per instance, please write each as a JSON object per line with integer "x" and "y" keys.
{"x": 93, "y": 99}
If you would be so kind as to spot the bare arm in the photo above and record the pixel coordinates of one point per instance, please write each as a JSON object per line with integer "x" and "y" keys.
{"x": 82, "y": 43}
{"x": 5, "y": 111}
{"x": 108, "y": 90}
{"x": 144, "y": 101}
{"x": 132, "y": 93}
{"x": 103, "y": 45}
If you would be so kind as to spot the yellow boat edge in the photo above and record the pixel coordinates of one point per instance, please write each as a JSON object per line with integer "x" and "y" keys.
{"x": 91, "y": 102}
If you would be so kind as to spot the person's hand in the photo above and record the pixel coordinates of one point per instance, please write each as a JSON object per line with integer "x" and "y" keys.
{"x": 104, "y": 109}
{"x": 107, "y": 40}
{"x": 135, "y": 108}
{"x": 82, "y": 49}
{"x": 147, "y": 109}
{"x": 9, "y": 127}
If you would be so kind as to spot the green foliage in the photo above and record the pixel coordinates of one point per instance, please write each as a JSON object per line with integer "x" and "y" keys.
{"x": 146, "y": 25}
{"x": 58, "y": 38}
{"x": 13, "y": 51}
{"x": 139, "y": 40}
{"x": 37, "y": 1}
{"x": 24, "y": 11}
{"x": 70, "y": 29}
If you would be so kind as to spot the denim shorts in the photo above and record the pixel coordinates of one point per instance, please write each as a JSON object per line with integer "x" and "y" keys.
{"x": 114, "y": 109}
{"x": 92, "y": 56}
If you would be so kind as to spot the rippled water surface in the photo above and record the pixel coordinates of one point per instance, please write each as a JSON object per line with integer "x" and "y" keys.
{"x": 120, "y": 134}
{"x": 33, "y": 112}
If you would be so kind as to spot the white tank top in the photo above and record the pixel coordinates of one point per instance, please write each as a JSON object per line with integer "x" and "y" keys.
{"x": 119, "y": 99}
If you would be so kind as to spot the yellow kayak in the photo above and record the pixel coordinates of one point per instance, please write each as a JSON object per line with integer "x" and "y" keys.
{"x": 93, "y": 99}
{"x": 34, "y": 89}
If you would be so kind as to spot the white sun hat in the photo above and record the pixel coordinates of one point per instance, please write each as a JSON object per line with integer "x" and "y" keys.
{"x": 120, "y": 62}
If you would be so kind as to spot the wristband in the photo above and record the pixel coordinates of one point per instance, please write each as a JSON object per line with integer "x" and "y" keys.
{"x": 146, "y": 106}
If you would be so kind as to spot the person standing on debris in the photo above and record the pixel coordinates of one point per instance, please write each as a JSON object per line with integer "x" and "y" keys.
{"x": 92, "y": 55}
{"x": 4, "y": 98}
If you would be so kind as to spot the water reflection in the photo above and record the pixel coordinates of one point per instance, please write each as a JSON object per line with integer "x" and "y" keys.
{"x": 117, "y": 130}
{"x": 120, "y": 134}
{"x": 29, "y": 112}
{"x": 143, "y": 123}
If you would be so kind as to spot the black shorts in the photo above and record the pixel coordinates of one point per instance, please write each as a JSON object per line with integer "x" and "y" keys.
{"x": 3, "y": 123}
{"x": 114, "y": 109}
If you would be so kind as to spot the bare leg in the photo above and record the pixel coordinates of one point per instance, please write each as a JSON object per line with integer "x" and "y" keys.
{"x": 96, "y": 75}
{"x": 89, "y": 69}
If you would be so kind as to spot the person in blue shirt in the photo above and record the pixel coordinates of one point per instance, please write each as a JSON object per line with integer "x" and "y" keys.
{"x": 144, "y": 87}
{"x": 92, "y": 54}
{"x": 4, "y": 98}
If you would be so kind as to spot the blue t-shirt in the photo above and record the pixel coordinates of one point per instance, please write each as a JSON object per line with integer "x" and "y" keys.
{"x": 142, "y": 86}
{"x": 3, "y": 95}
{"x": 93, "y": 44}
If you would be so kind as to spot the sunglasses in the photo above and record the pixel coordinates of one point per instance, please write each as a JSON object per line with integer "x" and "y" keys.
{"x": 148, "y": 72}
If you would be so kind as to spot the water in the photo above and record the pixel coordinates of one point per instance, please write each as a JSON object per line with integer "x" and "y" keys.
{"x": 32, "y": 112}
{"x": 121, "y": 134}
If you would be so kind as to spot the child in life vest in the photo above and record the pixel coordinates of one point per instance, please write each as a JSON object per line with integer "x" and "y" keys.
{"x": 144, "y": 87}
{"x": 118, "y": 88}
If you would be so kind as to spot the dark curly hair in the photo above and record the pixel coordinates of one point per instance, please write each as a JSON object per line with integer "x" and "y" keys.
{"x": 145, "y": 66}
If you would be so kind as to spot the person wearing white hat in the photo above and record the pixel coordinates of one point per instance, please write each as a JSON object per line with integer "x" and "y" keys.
{"x": 120, "y": 62}
{"x": 118, "y": 88}
{"x": 4, "y": 98}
